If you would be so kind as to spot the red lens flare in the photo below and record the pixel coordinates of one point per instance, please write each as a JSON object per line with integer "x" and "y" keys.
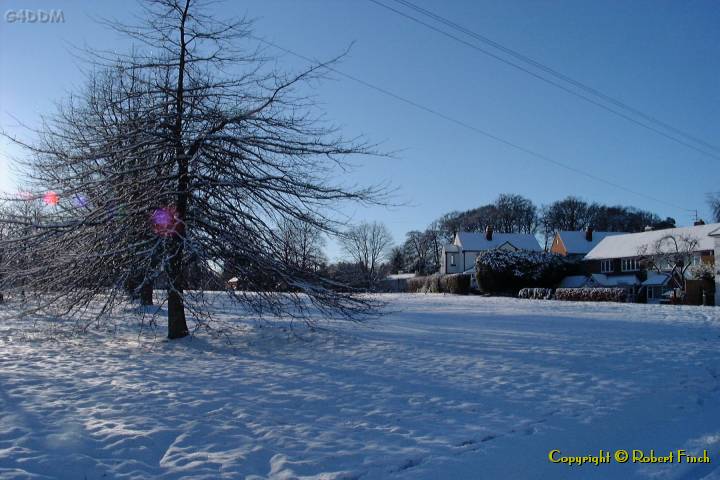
{"x": 51, "y": 198}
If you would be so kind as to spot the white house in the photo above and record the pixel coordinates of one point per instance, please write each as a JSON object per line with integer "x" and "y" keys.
{"x": 460, "y": 255}
{"x": 716, "y": 235}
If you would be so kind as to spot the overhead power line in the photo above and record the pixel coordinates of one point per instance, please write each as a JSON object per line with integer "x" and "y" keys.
{"x": 591, "y": 95}
{"x": 475, "y": 129}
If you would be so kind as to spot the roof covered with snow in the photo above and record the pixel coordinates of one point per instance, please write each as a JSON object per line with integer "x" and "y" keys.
{"x": 656, "y": 279}
{"x": 635, "y": 244}
{"x": 478, "y": 241}
{"x": 576, "y": 243}
{"x": 614, "y": 280}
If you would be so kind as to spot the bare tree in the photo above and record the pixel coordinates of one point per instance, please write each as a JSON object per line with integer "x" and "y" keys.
{"x": 515, "y": 214}
{"x": 418, "y": 250}
{"x": 300, "y": 245}
{"x": 714, "y": 202}
{"x": 187, "y": 148}
{"x": 435, "y": 239}
{"x": 367, "y": 244}
{"x": 396, "y": 260}
{"x": 671, "y": 253}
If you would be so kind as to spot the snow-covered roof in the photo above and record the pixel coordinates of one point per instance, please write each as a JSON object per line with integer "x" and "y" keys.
{"x": 715, "y": 233}
{"x": 575, "y": 241}
{"x": 451, "y": 248}
{"x": 615, "y": 280}
{"x": 656, "y": 279}
{"x": 478, "y": 241}
{"x": 632, "y": 244}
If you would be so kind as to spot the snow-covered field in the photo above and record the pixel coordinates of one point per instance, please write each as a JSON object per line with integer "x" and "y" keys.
{"x": 442, "y": 387}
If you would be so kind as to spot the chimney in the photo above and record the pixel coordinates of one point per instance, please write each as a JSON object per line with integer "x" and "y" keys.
{"x": 488, "y": 233}
{"x": 699, "y": 222}
{"x": 588, "y": 234}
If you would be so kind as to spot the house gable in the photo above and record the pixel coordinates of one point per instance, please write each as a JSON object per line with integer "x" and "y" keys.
{"x": 558, "y": 246}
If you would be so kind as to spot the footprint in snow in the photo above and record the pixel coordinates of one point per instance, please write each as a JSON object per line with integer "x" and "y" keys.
{"x": 409, "y": 463}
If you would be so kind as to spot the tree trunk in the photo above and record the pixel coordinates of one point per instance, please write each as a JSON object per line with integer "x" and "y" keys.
{"x": 177, "y": 326}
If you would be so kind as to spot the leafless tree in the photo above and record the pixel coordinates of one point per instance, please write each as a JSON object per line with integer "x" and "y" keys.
{"x": 418, "y": 250}
{"x": 671, "y": 253}
{"x": 367, "y": 244}
{"x": 300, "y": 245}
{"x": 192, "y": 146}
{"x": 515, "y": 213}
{"x": 714, "y": 202}
{"x": 435, "y": 239}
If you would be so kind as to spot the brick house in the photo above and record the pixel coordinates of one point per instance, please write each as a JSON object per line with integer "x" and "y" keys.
{"x": 577, "y": 244}
{"x": 655, "y": 265}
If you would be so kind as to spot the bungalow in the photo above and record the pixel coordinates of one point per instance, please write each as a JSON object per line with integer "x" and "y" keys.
{"x": 577, "y": 244}
{"x": 655, "y": 264}
{"x": 460, "y": 255}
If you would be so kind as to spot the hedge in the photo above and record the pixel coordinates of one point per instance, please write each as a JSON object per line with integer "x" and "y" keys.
{"x": 536, "y": 293}
{"x": 457, "y": 283}
{"x": 415, "y": 284}
{"x": 591, "y": 294}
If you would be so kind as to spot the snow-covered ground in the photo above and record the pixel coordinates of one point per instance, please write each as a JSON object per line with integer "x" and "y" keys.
{"x": 442, "y": 387}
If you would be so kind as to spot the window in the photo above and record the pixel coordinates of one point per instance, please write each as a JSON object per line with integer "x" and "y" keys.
{"x": 452, "y": 260}
{"x": 605, "y": 266}
{"x": 629, "y": 265}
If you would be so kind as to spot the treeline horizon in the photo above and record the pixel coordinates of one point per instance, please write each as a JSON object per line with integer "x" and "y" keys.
{"x": 514, "y": 213}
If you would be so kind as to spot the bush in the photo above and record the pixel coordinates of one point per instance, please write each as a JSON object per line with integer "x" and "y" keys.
{"x": 591, "y": 294}
{"x": 536, "y": 293}
{"x": 458, "y": 283}
{"x": 415, "y": 284}
{"x": 502, "y": 271}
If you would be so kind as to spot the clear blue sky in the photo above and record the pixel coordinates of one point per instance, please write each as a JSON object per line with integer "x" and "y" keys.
{"x": 658, "y": 56}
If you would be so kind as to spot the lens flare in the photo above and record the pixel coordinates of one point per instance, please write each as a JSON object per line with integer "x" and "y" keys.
{"x": 165, "y": 221}
{"x": 51, "y": 198}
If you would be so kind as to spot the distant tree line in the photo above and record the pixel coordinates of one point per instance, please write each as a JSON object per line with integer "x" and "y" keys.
{"x": 371, "y": 255}
{"x": 513, "y": 213}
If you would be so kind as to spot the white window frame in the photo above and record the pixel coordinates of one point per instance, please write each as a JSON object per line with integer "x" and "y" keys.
{"x": 606, "y": 266}
{"x": 452, "y": 260}
{"x": 629, "y": 264}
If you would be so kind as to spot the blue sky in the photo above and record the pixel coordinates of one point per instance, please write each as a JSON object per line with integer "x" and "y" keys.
{"x": 657, "y": 56}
